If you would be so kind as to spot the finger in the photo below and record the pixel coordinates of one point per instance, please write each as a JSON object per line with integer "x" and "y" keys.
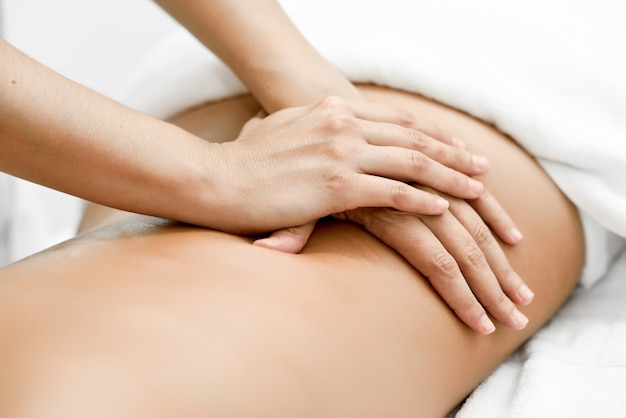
{"x": 366, "y": 190}
{"x": 381, "y": 113}
{"x": 476, "y": 269}
{"x": 454, "y": 157}
{"x": 460, "y": 252}
{"x": 408, "y": 235}
{"x": 487, "y": 206}
{"x": 512, "y": 284}
{"x": 289, "y": 240}
{"x": 409, "y": 165}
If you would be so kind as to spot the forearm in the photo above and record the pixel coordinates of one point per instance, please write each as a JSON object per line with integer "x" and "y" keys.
{"x": 263, "y": 47}
{"x": 62, "y": 135}
{"x": 59, "y": 134}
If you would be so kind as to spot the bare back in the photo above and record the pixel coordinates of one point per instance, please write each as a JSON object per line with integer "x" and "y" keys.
{"x": 145, "y": 317}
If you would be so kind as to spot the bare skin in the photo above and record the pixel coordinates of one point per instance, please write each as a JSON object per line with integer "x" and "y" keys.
{"x": 145, "y": 317}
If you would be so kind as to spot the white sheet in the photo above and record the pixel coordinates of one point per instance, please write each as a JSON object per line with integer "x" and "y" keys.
{"x": 547, "y": 73}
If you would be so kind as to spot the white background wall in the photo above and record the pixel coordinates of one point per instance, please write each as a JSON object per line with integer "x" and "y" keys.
{"x": 95, "y": 43}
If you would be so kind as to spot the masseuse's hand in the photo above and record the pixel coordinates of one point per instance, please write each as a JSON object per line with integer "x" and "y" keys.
{"x": 433, "y": 143}
{"x": 460, "y": 257}
{"x": 304, "y": 163}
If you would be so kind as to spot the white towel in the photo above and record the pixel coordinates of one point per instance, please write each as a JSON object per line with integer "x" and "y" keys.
{"x": 574, "y": 367}
{"x": 5, "y": 206}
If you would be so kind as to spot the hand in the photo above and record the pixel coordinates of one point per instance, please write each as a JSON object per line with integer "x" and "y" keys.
{"x": 455, "y": 251}
{"x": 460, "y": 257}
{"x": 304, "y": 163}
{"x": 294, "y": 238}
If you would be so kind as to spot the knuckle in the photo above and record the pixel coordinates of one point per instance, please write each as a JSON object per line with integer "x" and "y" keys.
{"x": 457, "y": 181}
{"x": 406, "y": 118}
{"x": 444, "y": 263}
{"x": 339, "y": 123}
{"x": 337, "y": 181}
{"x": 482, "y": 235}
{"x": 418, "y": 139}
{"x": 400, "y": 194}
{"x": 462, "y": 157}
{"x": 293, "y": 230}
{"x": 497, "y": 302}
{"x": 332, "y": 103}
{"x": 339, "y": 150}
{"x": 378, "y": 220}
{"x": 385, "y": 216}
{"x": 444, "y": 154}
{"x": 508, "y": 275}
{"x": 468, "y": 304}
{"x": 419, "y": 162}
{"x": 473, "y": 256}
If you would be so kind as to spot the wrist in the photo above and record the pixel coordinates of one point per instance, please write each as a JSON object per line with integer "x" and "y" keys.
{"x": 278, "y": 87}
{"x": 195, "y": 183}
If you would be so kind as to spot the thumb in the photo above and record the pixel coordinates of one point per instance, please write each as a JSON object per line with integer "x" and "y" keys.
{"x": 254, "y": 121}
{"x": 289, "y": 240}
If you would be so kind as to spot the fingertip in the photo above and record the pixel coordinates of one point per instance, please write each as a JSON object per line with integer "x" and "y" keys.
{"x": 510, "y": 236}
{"x": 269, "y": 242}
{"x": 279, "y": 244}
{"x": 485, "y": 325}
{"x": 519, "y": 320}
{"x": 432, "y": 205}
{"x": 480, "y": 162}
{"x": 524, "y": 294}
{"x": 515, "y": 235}
{"x": 442, "y": 204}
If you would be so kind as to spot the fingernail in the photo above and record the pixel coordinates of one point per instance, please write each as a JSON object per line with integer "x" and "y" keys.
{"x": 486, "y": 326}
{"x": 459, "y": 143}
{"x": 266, "y": 241}
{"x": 476, "y": 187}
{"x": 525, "y": 294}
{"x": 442, "y": 204}
{"x": 519, "y": 319}
{"x": 480, "y": 162}
{"x": 516, "y": 235}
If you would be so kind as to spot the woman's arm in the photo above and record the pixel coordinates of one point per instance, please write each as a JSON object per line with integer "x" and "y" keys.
{"x": 258, "y": 41}
{"x": 59, "y": 134}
